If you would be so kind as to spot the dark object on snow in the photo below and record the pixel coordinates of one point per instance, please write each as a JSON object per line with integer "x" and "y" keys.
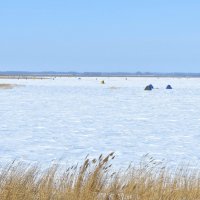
{"x": 169, "y": 87}
{"x": 151, "y": 86}
{"x": 102, "y": 82}
{"x": 148, "y": 87}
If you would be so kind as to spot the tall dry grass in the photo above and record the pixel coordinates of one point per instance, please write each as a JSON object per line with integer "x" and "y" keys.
{"x": 96, "y": 180}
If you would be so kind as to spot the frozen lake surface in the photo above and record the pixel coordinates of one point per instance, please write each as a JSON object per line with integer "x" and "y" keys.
{"x": 67, "y": 119}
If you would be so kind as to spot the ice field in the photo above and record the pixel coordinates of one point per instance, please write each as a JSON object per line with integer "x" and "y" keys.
{"x": 67, "y": 118}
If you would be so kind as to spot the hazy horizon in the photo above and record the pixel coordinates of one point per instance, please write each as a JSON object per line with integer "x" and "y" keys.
{"x": 110, "y": 72}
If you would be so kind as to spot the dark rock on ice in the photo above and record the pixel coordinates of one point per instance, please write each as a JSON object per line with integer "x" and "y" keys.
{"x": 148, "y": 87}
{"x": 169, "y": 87}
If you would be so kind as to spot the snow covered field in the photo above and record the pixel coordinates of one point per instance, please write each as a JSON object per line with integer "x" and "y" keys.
{"x": 68, "y": 118}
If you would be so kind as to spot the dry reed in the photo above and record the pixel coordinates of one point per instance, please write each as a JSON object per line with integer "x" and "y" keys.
{"x": 96, "y": 180}
{"x": 7, "y": 86}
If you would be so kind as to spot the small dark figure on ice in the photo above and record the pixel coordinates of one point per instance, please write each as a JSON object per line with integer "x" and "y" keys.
{"x": 169, "y": 87}
{"x": 149, "y": 87}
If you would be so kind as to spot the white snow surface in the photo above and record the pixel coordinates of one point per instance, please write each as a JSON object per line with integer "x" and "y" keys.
{"x": 67, "y": 118}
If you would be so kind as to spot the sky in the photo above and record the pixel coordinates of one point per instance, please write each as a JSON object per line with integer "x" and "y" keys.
{"x": 100, "y": 35}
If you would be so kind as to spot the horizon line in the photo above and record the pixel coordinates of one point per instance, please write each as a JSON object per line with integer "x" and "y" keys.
{"x": 97, "y": 72}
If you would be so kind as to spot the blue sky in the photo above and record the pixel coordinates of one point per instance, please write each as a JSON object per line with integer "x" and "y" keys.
{"x": 104, "y": 35}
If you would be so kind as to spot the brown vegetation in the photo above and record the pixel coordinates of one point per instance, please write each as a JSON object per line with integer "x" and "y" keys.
{"x": 7, "y": 86}
{"x": 95, "y": 180}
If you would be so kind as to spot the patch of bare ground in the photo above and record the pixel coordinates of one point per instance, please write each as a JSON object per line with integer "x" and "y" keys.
{"x": 8, "y": 86}
{"x": 114, "y": 88}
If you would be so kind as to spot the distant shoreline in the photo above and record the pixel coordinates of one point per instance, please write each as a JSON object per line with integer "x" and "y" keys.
{"x": 50, "y": 76}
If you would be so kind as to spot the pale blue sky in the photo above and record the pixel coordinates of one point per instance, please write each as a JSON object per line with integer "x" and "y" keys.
{"x": 100, "y": 35}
